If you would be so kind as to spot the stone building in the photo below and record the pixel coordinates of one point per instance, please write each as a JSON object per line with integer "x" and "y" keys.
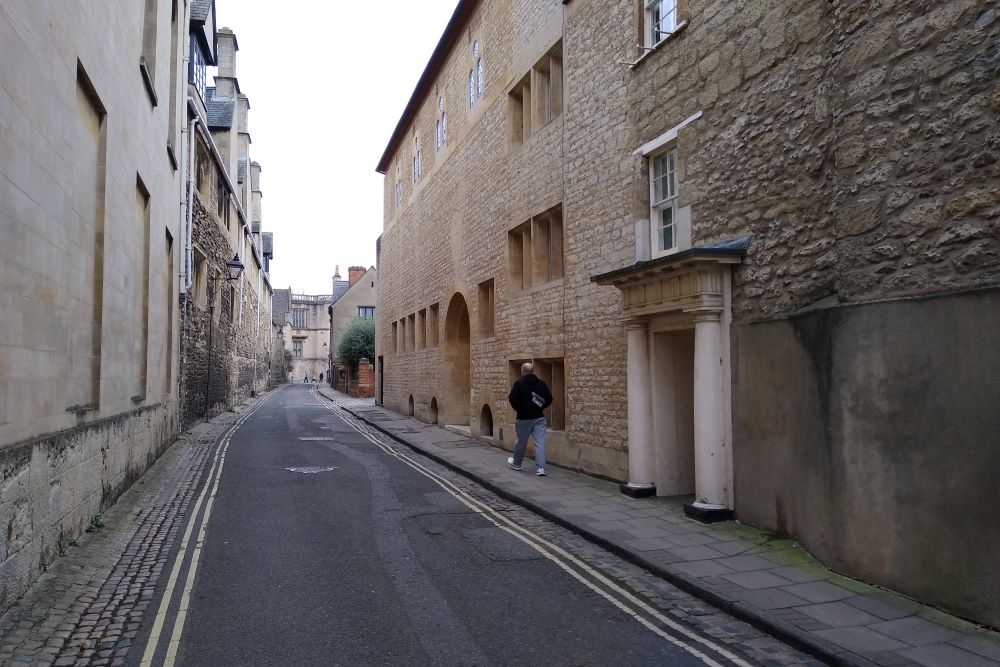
{"x": 120, "y": 205}
{"x": 357, "y": 301}
{"x": 752, "y": 246}
{"x": 226, "y": 324}
{"x": 90, "y": 216}
{"x": 307, "y": 330}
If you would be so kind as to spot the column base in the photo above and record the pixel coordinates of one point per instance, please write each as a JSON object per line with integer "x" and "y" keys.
{"x": 637, "y": 490}
{"x": 708, "y": 513}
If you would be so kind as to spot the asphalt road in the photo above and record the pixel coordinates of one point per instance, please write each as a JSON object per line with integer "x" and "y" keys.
{"x": 322, "y": 549}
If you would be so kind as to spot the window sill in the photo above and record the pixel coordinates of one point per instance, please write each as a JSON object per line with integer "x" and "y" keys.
{"x": 147, "y": 80}
{"x": 648, "y": 51}
{"x": 667, "y": 253}
{"x": 526, "y": 291}
{"x": 515, "y": 145}
{"x": 172, "y": 156}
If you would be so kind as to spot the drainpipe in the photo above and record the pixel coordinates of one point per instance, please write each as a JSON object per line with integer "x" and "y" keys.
{"x": 185, "y": 282}
{"x": 188, "y": 231}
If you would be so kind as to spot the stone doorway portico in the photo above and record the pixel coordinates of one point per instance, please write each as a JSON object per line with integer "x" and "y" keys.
{"x": 677, "y": 312}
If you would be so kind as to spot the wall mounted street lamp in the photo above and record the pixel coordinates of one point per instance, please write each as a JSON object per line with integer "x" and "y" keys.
{"x": 234, "y": 269}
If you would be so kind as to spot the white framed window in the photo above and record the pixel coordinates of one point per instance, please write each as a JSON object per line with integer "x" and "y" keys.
{"x": 297, "y": 347}
{"x": 663, "y": 200}
{"x": 661, "y": 20}
{"x": 476, "y": 83}
{"x": 441, "y": 126}
{"x": 399, "y": 185}
{"x": 366, "y": 312}
{"x": 417, "y": 167}
{"x": 196, "y": 71}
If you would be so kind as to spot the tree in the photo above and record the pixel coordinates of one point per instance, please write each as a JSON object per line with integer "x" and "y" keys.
{"x": 357, "y": 342}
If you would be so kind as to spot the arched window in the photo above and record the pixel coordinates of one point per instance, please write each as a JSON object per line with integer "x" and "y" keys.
{"x": 399, "y": 185}
{"x": 441, "y": 126}
{"x": 475, "y": 76}
{"x": 417, "y": 168}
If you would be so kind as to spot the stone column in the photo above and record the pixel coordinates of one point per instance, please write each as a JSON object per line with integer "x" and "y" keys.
{"x": 709, "y": 433}
{"x": 640, "y": 414}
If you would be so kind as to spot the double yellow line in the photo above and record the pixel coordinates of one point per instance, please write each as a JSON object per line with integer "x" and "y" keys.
{"x": 212, "y": 482}
{"x": 595, "y": 580}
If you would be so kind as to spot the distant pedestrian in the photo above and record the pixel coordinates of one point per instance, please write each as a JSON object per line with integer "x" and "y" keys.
{"x": 529, "y": 396}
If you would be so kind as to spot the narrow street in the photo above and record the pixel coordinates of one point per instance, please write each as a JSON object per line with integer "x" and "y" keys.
{"x": 311, "y": 541}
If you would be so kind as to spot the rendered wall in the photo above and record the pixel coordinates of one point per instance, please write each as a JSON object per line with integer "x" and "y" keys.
{"x": 871, "y": 434}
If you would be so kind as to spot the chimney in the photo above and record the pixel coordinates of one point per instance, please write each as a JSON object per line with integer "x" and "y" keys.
{"x": 355, "y": 273}
{"x": 225, "y": 80}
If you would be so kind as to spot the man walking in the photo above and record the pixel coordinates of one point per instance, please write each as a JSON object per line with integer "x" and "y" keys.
{"x": 529, "y": 396}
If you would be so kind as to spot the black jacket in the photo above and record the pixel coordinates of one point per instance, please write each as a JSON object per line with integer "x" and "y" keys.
{"x": 529, "y": 396}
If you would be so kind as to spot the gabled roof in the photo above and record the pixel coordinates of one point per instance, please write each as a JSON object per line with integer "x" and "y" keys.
{"x": 220, "y": 111}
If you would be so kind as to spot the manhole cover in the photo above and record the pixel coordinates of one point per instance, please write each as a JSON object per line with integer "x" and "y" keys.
{"x": 312, "y": 470}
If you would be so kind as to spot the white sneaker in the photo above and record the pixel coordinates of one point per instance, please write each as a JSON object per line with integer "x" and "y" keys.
{"x": 540, "y": 471}
{"x": 510, "y": 462}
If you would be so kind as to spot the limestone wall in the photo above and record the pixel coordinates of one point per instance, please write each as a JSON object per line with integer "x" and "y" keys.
{"x": 52, "y": 486}
{"x": 240, "y": 340}
{"x": 89, "y": 210}
{"x": 856, "y": 142}
{"x": 449, "y": 234}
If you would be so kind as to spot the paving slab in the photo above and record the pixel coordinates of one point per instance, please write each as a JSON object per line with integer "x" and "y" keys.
{"x": 838, "y": 614}
{"x": 983, "y": 645}
{"x": 861, "y": 640}
{"x": 945, "y": 655}
{"x": 915, "y": 631}
{"x": 757, "y": 576}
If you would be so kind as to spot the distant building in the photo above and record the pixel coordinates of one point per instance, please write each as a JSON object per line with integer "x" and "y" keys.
{"x": 358, "y": 301}
{"x": 307, "y": 330}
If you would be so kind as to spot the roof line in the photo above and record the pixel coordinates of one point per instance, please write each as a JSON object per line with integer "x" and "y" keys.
{"x": 451, "y": 34}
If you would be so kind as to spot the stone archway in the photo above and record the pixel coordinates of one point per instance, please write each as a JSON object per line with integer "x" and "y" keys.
{"x": 486, "y": 422}
{"x": 457, "y": 351}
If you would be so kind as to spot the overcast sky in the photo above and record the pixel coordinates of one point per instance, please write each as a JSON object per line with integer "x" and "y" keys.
{"x": 327, "y": 82}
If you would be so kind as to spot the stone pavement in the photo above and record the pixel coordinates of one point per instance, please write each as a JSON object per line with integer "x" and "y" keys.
{"x": 752, "y": 574}
{"x": 86, "y": 610}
